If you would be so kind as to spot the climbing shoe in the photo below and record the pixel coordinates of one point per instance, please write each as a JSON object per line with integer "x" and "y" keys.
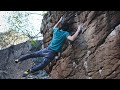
{"x": 26, "y": 73}
{"x": 16, "y": 61}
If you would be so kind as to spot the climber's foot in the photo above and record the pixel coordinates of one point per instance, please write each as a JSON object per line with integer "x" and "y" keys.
{"x": 16, "y": 61}
{"x": 26, "y": 73}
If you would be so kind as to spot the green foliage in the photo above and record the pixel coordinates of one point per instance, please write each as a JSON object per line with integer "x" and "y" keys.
{"x": 19, "y": 21}
{"x": 11, "y": 37}
{"x": 20, "y": 28}
{"x": 34, "y": 43}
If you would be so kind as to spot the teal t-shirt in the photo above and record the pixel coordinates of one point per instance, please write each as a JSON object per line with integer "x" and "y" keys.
{"x": 58, "y": 39}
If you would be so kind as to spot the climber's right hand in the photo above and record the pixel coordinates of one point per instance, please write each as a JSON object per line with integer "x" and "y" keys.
{"x": 80, "y": 27}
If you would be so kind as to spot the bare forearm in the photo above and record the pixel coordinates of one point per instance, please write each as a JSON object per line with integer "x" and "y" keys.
{"x": 56, "y": 25}
{"x": 75, "y": 35}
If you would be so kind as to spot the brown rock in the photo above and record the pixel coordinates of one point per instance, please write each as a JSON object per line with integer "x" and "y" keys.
{"x": 101, "y": 39}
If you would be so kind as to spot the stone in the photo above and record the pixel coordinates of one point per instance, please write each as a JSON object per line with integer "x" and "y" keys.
{"x": 95, "y": 54}
{"x": 98, "y": 46}
{"x": 9, "y": 69}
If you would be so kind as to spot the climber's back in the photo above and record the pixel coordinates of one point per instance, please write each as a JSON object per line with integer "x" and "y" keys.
{"x": 59, "y": 37}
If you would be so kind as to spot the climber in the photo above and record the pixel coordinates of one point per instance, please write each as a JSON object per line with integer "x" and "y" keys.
{"x": 60, "y": 34}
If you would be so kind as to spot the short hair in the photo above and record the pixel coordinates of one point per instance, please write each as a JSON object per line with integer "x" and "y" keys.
{"x": 65, "y": 26}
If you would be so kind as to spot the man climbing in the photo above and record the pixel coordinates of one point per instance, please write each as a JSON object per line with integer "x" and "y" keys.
{"x": 60, "y": 34}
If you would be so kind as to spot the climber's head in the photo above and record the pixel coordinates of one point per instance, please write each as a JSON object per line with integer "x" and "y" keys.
{"x": 65, "y": 26}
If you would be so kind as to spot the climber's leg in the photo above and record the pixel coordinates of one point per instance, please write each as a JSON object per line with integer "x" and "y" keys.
{"x": 41, "y": 65}
{"x": 46, "y": 61}
{"x": 36, "y": 54}
{"x": 38, "y": 67}
{"x": 48, "y": 57}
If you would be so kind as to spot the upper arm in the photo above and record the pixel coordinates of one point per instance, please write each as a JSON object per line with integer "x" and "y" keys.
{"x": 70, "y": 38}
{"x": 57, "y": 25}
{"x": 54, "y": 29}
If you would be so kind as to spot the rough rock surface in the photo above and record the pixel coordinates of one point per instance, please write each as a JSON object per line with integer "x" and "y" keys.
{"x": 95, "y": 54}
{"x": 8, "y": 68}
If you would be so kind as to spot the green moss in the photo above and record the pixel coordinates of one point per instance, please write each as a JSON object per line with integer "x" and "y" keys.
{"x": 35, "y": 45}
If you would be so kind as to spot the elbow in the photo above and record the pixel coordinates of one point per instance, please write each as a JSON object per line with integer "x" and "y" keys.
{"x": 72, "y": 39}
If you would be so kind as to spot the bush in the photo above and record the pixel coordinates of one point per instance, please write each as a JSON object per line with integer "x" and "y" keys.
{"x": 36, "y": 45}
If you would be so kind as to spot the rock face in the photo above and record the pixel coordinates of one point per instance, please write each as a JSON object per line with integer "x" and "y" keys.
{"x": 95, "y": 54}
{"x": 8, "y": 68}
